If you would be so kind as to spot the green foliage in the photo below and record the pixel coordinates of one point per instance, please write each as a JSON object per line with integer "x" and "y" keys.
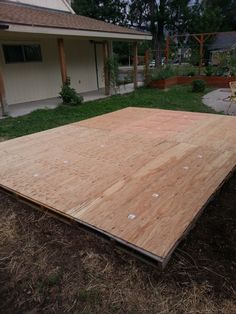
{"x": 165, "y": 72}
{"x": 226, "y": 16}
{"x": 233, "y": 66}
{"x": 69, "y": 95}
{"x": 162, "y": 73}
{"x": 209, "y": 70}
{"x": 113, "y": 69}
{"x": 185, "y": 70}
{"x": 112, "y": 11}
{"x": 195, "y": 57}
{"x": 226, "y": 64}
{"x": 198, "y": 86}
{"x": 205, "y": 19}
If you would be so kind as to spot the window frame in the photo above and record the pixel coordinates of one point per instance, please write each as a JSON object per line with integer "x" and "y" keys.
{"x": 22, "y": 45}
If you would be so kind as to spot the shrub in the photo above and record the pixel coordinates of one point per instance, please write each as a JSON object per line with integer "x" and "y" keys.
{"x": 69, "y": 95}
{"x": 198, "y": 86}
{"x": 113, "y": 68}
{"x": 186, "y": 70}
{"x": 209, "y": 70}
{"x": 163, "y": 73}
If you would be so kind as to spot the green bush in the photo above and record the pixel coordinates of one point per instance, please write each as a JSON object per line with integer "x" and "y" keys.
{"x": 69, "y": 95}
{"x": 186, "y": 70}
{"x": 198, "y": 86}
{"x": 209, "y": 70}
{"x": 113, "y": 68}
{"x": 162, "y": 73}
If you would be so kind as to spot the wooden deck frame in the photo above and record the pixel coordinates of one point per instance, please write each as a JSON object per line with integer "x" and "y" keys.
{"x": 142, "y": 149}
{"x": 126, "y": 247}
{"x": 120, "y": 244}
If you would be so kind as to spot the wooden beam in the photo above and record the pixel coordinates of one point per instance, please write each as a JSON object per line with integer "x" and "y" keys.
{"x": 106, "y": 69}
{"x": 146, "y": 60}
{"x": 62, "y": 59}
{"x": 201, "y": 53}
{"x": 135, "y": 64}
{"x": 3, "y": 101}
{"x": 198, "y": 34}
{"x": 167, "y": 49}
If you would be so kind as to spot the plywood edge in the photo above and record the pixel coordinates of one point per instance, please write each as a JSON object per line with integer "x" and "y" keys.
{"x": 129, "y": 248}
{"x": 167, "y": 257}
{"x": 123, "y": 245}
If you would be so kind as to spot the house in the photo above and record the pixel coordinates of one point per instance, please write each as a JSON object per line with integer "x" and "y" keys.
{"x": 44, "y": 41}
{"x": 223, "y": 43}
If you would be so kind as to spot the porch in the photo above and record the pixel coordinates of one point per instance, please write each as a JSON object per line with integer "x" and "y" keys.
{"x": 24, "y": 108}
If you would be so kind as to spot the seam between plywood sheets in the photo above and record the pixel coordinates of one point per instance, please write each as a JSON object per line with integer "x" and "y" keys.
{"x": 88, "y": 227}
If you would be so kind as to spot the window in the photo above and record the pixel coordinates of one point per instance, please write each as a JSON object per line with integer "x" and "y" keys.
{"x": 22, "y": 53}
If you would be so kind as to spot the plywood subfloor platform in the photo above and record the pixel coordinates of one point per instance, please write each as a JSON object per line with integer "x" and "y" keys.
{"x": 139, "y": 176}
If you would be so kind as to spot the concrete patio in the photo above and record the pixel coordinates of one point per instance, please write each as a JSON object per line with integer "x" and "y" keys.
{"x": 22, "y": 109}
{"x": 219, "y": 100}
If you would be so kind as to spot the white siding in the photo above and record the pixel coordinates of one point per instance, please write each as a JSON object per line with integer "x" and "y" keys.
{"x": 81, "y": 65}
{"x": 41, "y": 80}
{"x": 51, "y": 4}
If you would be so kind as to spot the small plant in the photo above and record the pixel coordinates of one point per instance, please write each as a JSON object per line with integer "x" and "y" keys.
{"x": 191, "y": 73}
{"x": 69, "y": 95}
{"x": 209, "y": 70}
{"x": 162, "y": 73}
{"x": 198, "y": 86}
{"x": 113, "y": 69}
{"x": 186, "y": 70}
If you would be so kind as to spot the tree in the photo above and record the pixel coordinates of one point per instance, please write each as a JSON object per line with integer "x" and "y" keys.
{"x": 112, "y": 11}
{"x": 159, "y": 17}
{"x": 227, "y": 9}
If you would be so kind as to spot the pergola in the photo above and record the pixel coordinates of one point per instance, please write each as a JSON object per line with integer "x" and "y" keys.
{"x": 201, "y": 38}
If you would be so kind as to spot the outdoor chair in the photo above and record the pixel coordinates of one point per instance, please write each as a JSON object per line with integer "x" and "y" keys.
{"x": 232, "y": 97}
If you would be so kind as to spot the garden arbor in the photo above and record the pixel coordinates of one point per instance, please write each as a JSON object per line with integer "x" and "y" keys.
{"x": 200, "y": 38}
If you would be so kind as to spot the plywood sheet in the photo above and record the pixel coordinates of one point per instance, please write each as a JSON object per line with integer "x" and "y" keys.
{"x": 139, "y": 175}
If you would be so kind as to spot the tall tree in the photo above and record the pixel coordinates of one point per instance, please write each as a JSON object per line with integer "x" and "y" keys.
{"x": 227, "y": 9}
{"x": 112, "y": 11}
{"x": 159, "y": 17}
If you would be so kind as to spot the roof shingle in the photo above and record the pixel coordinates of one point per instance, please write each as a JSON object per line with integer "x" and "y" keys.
{"x": 31, "y": 16}
{"x": 224, "y": 40}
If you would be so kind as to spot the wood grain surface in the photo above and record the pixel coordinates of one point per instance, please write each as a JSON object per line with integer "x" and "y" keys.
{"x": 139, "y": 175}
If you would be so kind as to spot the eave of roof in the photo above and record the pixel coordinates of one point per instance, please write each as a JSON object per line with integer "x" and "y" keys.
{"x": 31, "y": 17}
{"x": 223, "y": 40}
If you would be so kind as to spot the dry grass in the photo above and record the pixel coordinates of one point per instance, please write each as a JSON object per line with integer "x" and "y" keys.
{"x": 47, "y": 266}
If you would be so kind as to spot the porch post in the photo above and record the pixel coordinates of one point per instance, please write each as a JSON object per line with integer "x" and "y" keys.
{"x": 135, "y": 63}
{"x": 167, "y": 49}
{"x": 62, "y": 59}
{"x": 201, "y": 52}
{"x": 3, "y": 101}
{"x": 146, "y": 70}
{"x": 106, "y": 70}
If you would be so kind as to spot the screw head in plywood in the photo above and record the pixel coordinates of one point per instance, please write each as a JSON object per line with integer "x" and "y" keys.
{"x": 131, "y": 216}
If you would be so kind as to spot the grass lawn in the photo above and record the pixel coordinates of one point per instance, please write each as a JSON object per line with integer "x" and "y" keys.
{"x": 177, "y": 98}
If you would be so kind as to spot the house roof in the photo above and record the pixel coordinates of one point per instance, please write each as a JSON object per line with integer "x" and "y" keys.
{"x": 224, "y": 40}
{"x": 19, "y": 14}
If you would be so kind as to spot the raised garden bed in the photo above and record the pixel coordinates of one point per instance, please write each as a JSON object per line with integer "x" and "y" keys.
{"x": 216, "y": 81}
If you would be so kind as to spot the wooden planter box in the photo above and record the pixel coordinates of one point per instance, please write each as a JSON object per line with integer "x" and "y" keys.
{"x": 163, "y": 84}
{"x": 216, "y": 81}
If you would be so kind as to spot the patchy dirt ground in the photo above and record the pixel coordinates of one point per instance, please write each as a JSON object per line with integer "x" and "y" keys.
{"x": 47, "y": 266}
